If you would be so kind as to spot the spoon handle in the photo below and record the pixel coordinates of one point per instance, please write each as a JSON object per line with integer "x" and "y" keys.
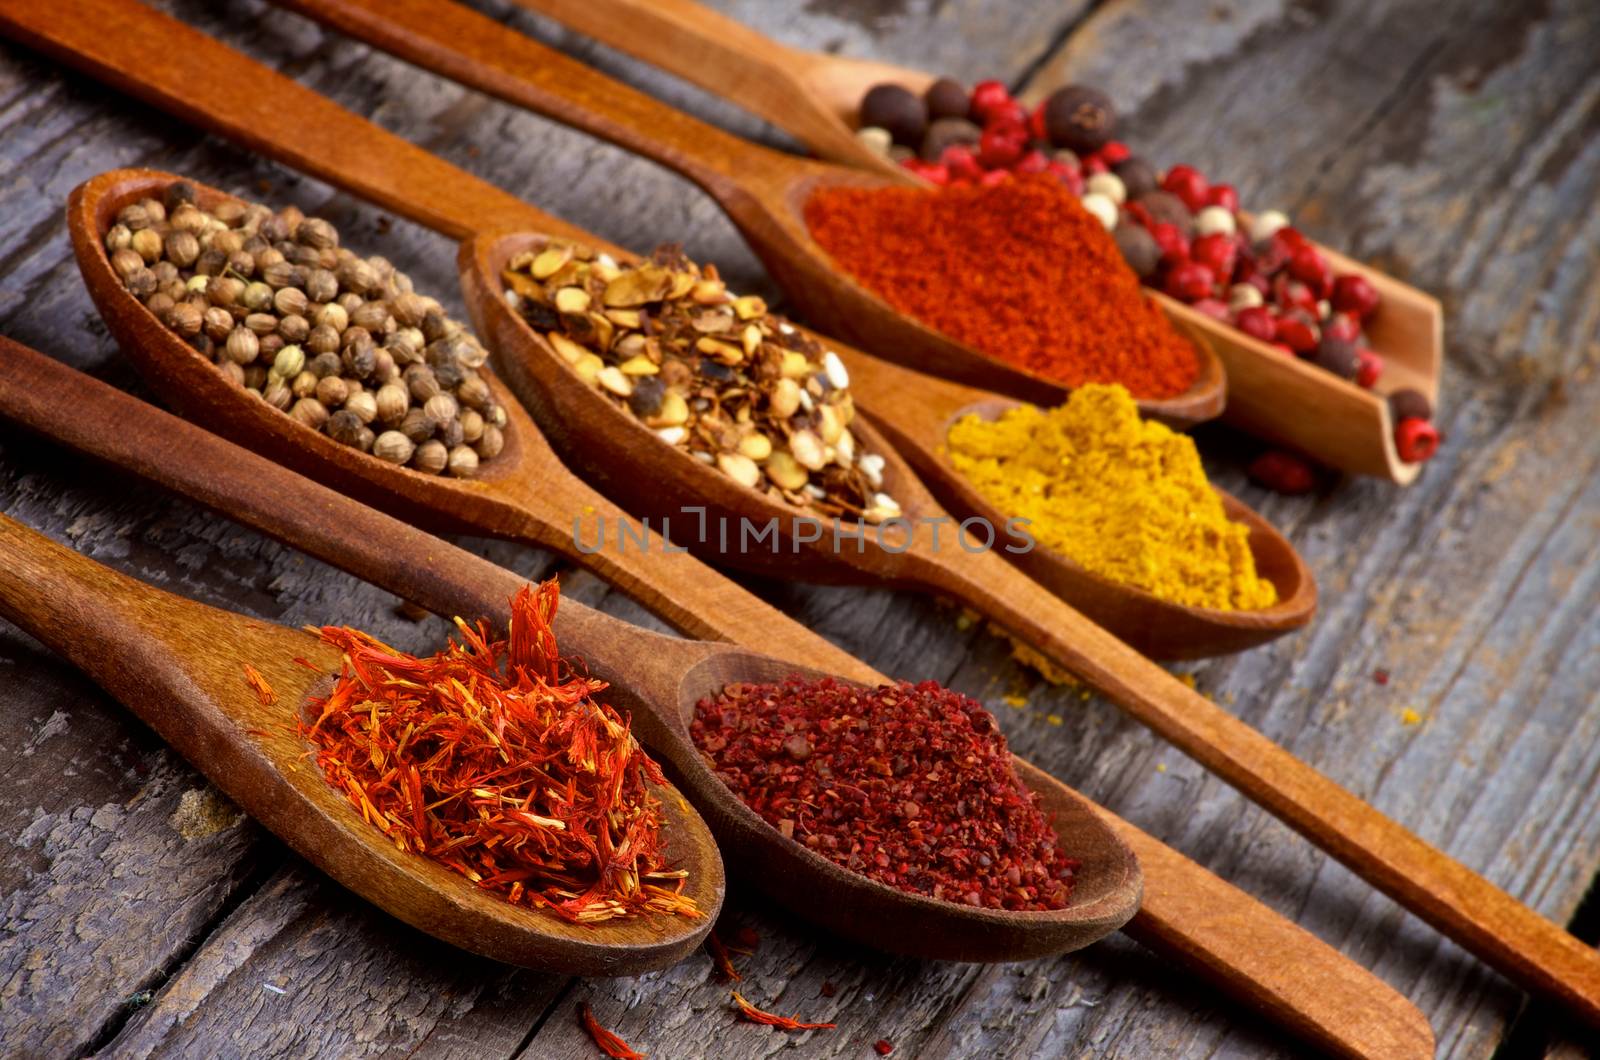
{"x": 176, "y": 68}
{"x": 1501, "y": 931}
{"x": 458, "y": 43}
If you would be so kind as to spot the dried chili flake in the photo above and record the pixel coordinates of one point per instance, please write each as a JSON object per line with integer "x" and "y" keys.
{"x": 910, "y": 785}
{"x": 258, "y": 684}
{"x": 785, "y": 1023}
{"x": 721, "y": 961}
{"x": 608, "y": 1041}
{"x": 496, "y": 759}
{"x": 883, "y": 1047}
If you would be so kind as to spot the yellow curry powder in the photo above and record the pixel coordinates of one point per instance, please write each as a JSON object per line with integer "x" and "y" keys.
{"x": 1125, "y": 498}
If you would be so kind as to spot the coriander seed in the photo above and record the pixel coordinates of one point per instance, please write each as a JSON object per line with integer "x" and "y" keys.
{"x": 463, "y": 462}
{"x": 393, "y": 447}
{"x": 431, "y": 456}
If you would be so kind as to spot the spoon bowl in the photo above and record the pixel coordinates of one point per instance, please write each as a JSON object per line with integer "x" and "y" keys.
{"x": 179, "y": 666}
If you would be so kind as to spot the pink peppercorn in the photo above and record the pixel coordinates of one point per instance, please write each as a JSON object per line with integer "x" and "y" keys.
{"x": 1216, "y": 252}
{"x": 1257, "y": 322}
{"x": 1371, "y": 368}
{"x": 1223, "y": 195}
{"x": 988, "y": 99}
{"x": 1188, "y": 184}
{"x": 1114, "y": 151}
{"x": 1296, "y": 333}
{"x": 1173, "y": 243}
{"x": 1190, "y": 281}
{"x": 1355, "y": 295}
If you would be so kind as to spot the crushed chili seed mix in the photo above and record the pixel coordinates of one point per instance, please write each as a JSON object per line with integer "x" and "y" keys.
{"x": 910, "y": 785}
{"x": 496, "y": 759}
{"x": 707, "y": 370}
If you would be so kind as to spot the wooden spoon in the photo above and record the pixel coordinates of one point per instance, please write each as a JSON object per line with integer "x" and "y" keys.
{"x": 658, "y": 679}
{"x": 762, "y": 191}
{"x": 1188, "y": 915}
{"x": 524, "y": 494}
{"x": 815, "y": 97}
{"x": 155, "y": 58}
{"x": 179, "y": 666}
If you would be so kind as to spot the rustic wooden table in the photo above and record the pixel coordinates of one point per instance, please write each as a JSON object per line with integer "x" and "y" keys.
{"x": 140, "y": 914}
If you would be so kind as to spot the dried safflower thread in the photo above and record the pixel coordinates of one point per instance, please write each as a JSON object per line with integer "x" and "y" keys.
{"x": 909, "y": 785}
{"x": 783, "y": 1023}
{"x": 1019, "y": 270}
{"x": 258, "y": 684}
{"x": 1124, "y": 497}
{"x": 708, "y": 371}
{"x": 721, "y": 962}
{"x": 496, "y": 759}
{"x": 609, "y": 1042}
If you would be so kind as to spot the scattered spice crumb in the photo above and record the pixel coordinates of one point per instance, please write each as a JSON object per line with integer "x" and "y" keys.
{"x": 410, "y": 611}
{"x": 1053, "y": 719}
{"x": 1410, "y": 717}
{"x": 1380, "y": 676}
{"x": 263, "y": 691}
{"x": 1012, "y": 699}
{"x": 1161, "y": 767}
{"x": 203, "y": 812}
{"x": 1187, "y": 679}
{"x": 964, "y": 621}
{"x": 721, "y": 963}
{"x": 883, "y": 1047}
{"x": 608, "y": 1042}
{"x": 747, "y": 939}
{"x": 274, "y": 989}
{"x": 786, "y": 1023}
{"x": 828, "y": 989}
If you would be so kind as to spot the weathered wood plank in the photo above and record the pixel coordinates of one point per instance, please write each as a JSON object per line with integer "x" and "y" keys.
{"x": 1472, "y": 587}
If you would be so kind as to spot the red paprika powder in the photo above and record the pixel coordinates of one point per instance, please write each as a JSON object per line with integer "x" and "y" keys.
{"x": 910, "y": 785}
{"x": 1018, "y": 270}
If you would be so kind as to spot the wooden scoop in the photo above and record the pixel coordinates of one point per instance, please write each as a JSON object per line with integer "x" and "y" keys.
{"x": 525, "y": 493}
{"x": 179, "y": 666}
{"x": 762, "y": 191}
{"x": 162, "y": 61}
{"x": 815, "y": 97}
{"x": 1188, "y": 916}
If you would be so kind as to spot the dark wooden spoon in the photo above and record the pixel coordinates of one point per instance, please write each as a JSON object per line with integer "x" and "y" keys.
{"x": 762, "y": 191}
{"x": 159, "y": 60}
{"x": 179, "y": 666}
{"x": 1190, "y": 916}
{"x": 524, "y": 494}
{"x": 815, "y": 97}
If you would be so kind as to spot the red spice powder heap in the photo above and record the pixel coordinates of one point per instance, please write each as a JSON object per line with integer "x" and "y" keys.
{"x": 494, "y": 758}
{"x": 911, "y": 785}
{"x": 1019, "y": 270}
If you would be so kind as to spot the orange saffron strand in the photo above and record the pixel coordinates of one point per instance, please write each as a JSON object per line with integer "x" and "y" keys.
{"x": 720, "y": 959}
{"x": 497, "y": 759}
{"x": 786, "y": 1023}
{"x": 608, "y": 1042}
{"x": 263, "y": 691}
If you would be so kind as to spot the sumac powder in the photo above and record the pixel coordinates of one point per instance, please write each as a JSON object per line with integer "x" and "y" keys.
{"x": 1020, "y": 271}
{"x": 910, "y": 785}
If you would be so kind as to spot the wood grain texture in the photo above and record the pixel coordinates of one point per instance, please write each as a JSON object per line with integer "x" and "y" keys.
{"x": 1458, "y": 150}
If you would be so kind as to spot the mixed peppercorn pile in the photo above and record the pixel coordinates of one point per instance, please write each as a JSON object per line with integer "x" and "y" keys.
{"x": 910, "y": 785}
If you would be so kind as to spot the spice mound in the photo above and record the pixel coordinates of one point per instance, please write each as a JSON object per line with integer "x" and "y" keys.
{"x": 1125, "y": 498}
{"x": 1019, "y": 270}
{"x": 707, "y": 370}
{"x": 494, "y": 758}
{"x": 910, "y": 785}
{"x": 339, "y": 342}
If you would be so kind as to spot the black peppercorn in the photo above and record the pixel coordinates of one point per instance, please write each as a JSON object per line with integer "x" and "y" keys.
{"x": 1137, "y": 176}
{"x": 1338, "y": 356}
{"x": 1079, "y": 117}
{"x": 1408, "y": 404}
{"x": 945, "y": 132}
{"x": 896, "y": 109}
{"x": 1167, "y": 208}
{"x": 647, "y": 396}
{"x": 946, "y": 98}
{"x": 1139, "y": 249}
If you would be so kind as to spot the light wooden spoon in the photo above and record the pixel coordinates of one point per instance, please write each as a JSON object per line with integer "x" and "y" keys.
{"x": 524, "y": 494}
{"x": 179, "y": 666}
{"x": 815, "y": 97}
{"x": 157, "y": 59}
{"x": 1189, "y": 916}
{"x": 761, "y": 190}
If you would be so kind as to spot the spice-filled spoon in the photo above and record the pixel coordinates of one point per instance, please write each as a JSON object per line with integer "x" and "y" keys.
{"x": 761, "y": 190}
{"x": 1188, "y": 914}
{"x": 524, "y": 493}
{"x": 329, "y": 142}
{"x": 180, "y": 666}
{"x": 656, "y": 678}
{"x": 915, "y": 412}
{"x": 816, "y": 97}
